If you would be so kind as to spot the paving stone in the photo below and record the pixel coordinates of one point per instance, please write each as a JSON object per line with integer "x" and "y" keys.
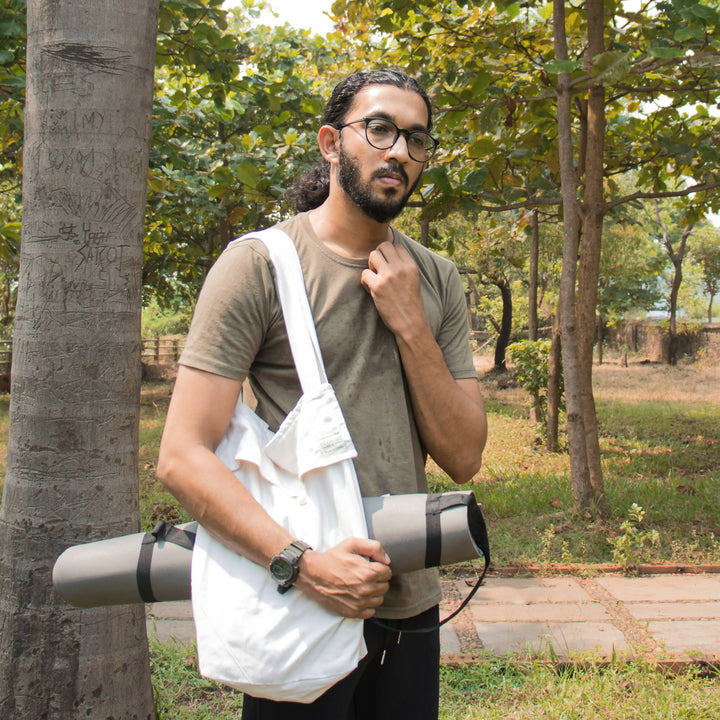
{"x": 449, "y": 641}
{"x": 180, "y": 610}
{"x": 565, "y": 638}
{"x": 166, "y": 630}
{"x": 687, "y": 636}
{"x": 523, "y": 591}
{"x": 674, "y": 610}
{"x": 663, "y": 587}
{"x": 537, "y": 612}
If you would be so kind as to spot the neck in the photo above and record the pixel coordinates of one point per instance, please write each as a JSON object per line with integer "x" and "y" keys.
{"x": 347, "y": 230}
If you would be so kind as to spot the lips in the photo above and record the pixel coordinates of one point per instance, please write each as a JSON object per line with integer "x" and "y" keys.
{"x": 391, "y": 177}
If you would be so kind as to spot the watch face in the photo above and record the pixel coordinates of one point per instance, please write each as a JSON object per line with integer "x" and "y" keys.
{"x": 281, "y": 569}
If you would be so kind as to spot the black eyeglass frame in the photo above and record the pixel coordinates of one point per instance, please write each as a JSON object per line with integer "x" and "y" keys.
{"x": 430, "y": 151}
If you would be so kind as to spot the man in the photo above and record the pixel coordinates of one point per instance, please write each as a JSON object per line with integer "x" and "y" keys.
{"x": 391, "y": 321}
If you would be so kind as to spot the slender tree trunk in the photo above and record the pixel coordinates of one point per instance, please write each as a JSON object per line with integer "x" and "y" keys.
{"x": 600, "y": 338}
{"x": 505, "y": 324}
{"x": 536, "y": 408}
{"x": 472, "y": 297}
{"x": 674, "y": 292}
{"x": 554, "y": 393}
{"x": 572, "y": 368}
{"x": 425, "y": 232}
{"x": 533, "y": 277}
{"x": 676, "y": 255}
{"x": 589, "y": 264}
{"x": 72, "y": 466}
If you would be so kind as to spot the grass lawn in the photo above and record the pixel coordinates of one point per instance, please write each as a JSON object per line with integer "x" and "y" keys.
{"x": 498, "y": 689}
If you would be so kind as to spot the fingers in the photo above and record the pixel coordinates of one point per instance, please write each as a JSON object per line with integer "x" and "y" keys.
{"x": 385, "y": 254}
{"x": 371, "y": 549}
{"x": 350, "y": 579}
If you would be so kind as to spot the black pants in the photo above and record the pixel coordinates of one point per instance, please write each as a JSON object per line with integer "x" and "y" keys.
{"x": 398, "y": 679}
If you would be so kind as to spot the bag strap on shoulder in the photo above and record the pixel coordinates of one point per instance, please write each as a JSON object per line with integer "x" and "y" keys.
{"x": 292, "y": 293}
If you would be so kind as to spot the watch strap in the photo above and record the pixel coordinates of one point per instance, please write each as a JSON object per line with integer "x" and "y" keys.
{"x": 292, "y": 553}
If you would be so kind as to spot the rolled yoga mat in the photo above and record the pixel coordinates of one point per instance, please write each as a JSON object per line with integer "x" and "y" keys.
{"x": 417, "y": 531}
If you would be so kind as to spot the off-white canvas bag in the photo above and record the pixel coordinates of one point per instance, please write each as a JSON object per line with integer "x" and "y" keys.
{"x": 272, "y": 645}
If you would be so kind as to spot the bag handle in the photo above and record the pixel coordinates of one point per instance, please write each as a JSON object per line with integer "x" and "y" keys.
{"x": 299, "y": 322}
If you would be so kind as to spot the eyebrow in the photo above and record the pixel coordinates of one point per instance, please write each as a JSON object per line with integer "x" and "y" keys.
{"x": 386, "y": 116}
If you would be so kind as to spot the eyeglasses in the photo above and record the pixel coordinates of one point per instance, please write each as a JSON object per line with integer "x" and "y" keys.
{"x": 382, "y": 134}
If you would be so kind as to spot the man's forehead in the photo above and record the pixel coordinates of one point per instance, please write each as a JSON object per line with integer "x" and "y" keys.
{"x": 405, "y": 108}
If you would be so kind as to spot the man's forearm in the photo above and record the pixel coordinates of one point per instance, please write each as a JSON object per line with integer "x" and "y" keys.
{"x": 449, "y": 413}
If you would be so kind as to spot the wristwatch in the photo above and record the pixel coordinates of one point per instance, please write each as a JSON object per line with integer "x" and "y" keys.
{"x": 284, "y": 566}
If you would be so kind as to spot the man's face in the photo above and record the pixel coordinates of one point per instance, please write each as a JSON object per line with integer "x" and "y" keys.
{"x": 380, "y": 182}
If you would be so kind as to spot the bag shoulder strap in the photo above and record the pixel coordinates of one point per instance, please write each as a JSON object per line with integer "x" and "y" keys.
{"x": 299, "y": 322}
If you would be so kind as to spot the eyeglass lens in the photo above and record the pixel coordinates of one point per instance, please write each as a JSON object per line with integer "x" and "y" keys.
{"x": 383, "y": 134}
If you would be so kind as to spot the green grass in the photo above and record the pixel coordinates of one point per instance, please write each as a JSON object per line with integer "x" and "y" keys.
{"x": 497, "y": 689}
{"x": 493, "y": 689}
{"x": 181, "y": 693}
{"x": 660, "y": 448}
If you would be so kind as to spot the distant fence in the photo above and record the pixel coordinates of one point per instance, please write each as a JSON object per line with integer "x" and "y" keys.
{"x": 5, "y": 357}
{"x": 651, "y": 339}
{"x": 160, "y": 356}
{"x": 162, "y": 350}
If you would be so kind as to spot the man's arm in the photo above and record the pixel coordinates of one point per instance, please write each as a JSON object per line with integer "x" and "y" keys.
{"x": 341, "y": 579}
{"x": 450, "y": 414}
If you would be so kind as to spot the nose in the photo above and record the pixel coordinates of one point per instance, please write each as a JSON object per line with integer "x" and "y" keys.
{"x": 399, "y": 149}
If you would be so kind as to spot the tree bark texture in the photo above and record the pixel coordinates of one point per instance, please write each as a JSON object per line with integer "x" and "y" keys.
{"x": 590, "y": 247}
{"x": 553, "y": 392}
{"x": 72, "y": 466}
{"x": 572, "y": 369}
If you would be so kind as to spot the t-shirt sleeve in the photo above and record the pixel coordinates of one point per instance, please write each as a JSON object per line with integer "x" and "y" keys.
{"x": 454, "y": 335}
{"x": 233, "y": 313}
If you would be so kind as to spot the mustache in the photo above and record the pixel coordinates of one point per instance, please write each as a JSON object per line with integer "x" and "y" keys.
{"x": 396, "y": 170}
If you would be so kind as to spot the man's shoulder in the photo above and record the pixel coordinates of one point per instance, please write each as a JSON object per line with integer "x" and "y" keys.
{"x": 425, "y": 256}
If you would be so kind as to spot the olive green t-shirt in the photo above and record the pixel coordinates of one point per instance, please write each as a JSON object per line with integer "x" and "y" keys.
{"x": 238, "y": 332}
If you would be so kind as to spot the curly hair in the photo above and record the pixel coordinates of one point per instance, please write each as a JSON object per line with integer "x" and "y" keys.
{"x": 311, "y": 189}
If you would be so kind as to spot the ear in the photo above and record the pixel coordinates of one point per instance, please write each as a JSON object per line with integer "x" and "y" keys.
{"x": 329, "y": 143}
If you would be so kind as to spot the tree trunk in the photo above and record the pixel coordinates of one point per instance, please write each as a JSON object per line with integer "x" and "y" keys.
{"x": 533, "y": 277}
{"x": 72, "y": 465}
{"x": 676, "y": 257}
{"x": 553, "y": 392}
{"x": 672, "y": 330}
{"x": 589, "y": 264}
{"x": 572, "y": 369}
{"x": 505, "y": 324}
{"x": 600, "y": 338}
{"x": 425, "y": 232}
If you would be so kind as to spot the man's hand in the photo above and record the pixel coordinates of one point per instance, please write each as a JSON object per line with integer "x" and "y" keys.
{"x": 350, "y": 579}
{"x": 393, "y": 281}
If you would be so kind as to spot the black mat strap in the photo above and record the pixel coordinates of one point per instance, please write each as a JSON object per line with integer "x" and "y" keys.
{"x": 476, "y": 522}
{"x": 434, "y": 506}
{"x": 161, "y": 531}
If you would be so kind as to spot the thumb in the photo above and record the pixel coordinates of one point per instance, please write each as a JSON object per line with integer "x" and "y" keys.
{"x": 367, "y": 279}
{"x": 371, "y": 549}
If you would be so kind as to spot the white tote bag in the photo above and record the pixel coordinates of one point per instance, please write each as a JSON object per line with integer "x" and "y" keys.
{"x": 271, "y": 645}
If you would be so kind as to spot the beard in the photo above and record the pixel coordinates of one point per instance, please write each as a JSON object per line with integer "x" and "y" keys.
{"x": 381, "y": 207}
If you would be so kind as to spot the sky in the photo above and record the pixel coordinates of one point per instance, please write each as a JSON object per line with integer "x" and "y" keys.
{"x": 306, "y": 14}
